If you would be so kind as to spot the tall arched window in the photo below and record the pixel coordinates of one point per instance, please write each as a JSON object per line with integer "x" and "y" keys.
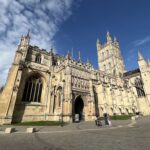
{"x": 59, "y": 94}
{"x": 38, "y": 58}
{"x": 139, "y": 87}
{"x": 33, "y": 89}
{"x": 96, "y": 101}
{"x": 114, "y": 72}
{"x": 54, "y": 105}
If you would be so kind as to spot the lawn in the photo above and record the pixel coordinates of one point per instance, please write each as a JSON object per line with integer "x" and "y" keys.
{"x": 119, "y": 117}
{"x": 40, "y": 123}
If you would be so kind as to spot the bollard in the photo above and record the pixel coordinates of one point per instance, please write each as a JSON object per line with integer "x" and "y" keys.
{"x": 31, "y": 130}
{"x": 133, "y": 118}
{"x": 9, "y": 130}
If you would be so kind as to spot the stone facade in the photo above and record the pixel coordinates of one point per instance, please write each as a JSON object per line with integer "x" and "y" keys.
{"x": 43, "y": 85}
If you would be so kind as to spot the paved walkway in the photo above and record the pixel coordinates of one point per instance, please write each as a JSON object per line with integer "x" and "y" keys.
{"x": 70, "y": 127}
{"x": 82, "y": 136}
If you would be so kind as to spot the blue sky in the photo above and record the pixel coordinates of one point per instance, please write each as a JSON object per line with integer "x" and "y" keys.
{"x": 67, "y": 24}
{"x": 128, "y": 20}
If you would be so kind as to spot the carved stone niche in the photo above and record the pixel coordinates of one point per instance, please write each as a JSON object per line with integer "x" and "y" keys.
{"x": 22, "y": 64}
{"x": 53, "y": 76}
{"x": 112, "y": 81}
{"x": 99, "y": 82}
{"x": 21, "y": 67}
{"x": 120, "y": 88}
{"x": 112, "y": 87}
{"x": 105, "y": 84}
{"x": 108, "y": 85}
{"x": 15, "y": 88}
{"x": 115, "y": 87}
{"x": 68, "y": 70}
{"x": 128, "y": 90}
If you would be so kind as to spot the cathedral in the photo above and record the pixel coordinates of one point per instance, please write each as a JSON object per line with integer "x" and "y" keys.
{"x": 43, "y": 85}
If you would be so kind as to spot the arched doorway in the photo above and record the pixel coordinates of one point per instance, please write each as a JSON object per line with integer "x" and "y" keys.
{"x": 78, "y": 107}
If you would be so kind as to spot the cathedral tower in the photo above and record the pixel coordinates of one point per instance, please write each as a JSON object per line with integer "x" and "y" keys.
{"x": 24, "y": 44}
{"x": 109, "y": 56}
{"x": 9, "y": 95}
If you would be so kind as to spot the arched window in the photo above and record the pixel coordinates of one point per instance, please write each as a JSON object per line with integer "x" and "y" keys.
{"x": 139, "y": 87}
{"x": 59, "y": 96}
{"x": 33, "y": 89}
{"x": 38, "y": 58}
{"x": 114, "y": 72}
{"x": 54, "y": 105}
{"x": 96, "y": 101}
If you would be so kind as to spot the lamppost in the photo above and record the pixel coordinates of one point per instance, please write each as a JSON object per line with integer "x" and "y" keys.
{"x": 62, "y": 121}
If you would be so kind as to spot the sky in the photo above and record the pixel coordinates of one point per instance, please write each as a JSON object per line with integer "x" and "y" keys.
{"x": 74, "y": 24}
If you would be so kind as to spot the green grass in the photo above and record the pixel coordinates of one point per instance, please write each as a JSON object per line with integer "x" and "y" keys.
{"x": 40, "y": 123}
{"x": 119, "y": 117}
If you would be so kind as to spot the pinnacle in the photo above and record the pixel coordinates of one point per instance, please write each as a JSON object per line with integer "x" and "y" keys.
{"x": 140, "y": 57}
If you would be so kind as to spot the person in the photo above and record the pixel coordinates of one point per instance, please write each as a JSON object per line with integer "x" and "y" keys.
{"x": 109, "y": 121}
{"x": 106, "y": 119}
{"x": 98, "y": 121}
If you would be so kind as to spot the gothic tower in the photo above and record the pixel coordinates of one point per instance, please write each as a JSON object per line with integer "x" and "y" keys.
{"x": 10, "y": 91}
{"x": 23, "y": 46}
{"x": 109, "y": 56}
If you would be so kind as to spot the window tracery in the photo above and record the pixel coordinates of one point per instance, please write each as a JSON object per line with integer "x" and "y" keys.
{"x": 38, "y": 58}
{"x": 139, "y": 87}
{"x": 33, "y": 89}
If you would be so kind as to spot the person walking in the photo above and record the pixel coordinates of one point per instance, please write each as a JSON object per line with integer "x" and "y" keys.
{"x": 109, "y": 121}
{"x": 106, "y": 118}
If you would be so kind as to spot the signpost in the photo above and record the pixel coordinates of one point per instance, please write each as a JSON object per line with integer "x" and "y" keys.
{"x": 76, "y": 117}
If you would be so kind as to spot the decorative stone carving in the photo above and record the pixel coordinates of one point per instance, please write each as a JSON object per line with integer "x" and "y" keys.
{"x": 15, "y": 88}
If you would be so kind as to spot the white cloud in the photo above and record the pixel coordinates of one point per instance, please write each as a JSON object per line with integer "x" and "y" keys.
{"x": 43, "y": 18}
{"x": 142, "y": 41}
